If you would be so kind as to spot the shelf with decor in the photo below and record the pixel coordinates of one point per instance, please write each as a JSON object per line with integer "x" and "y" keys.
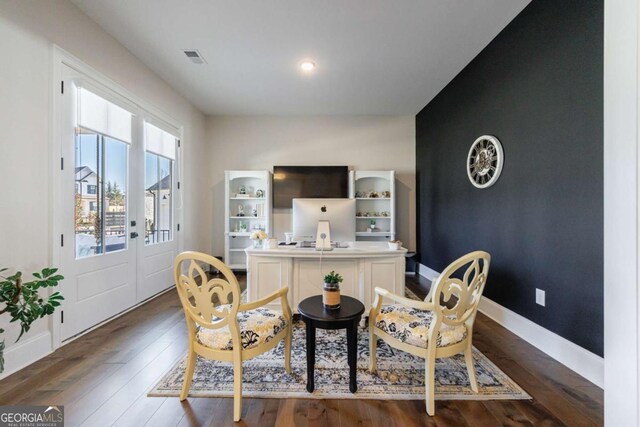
{"x": 246, "y": 198}
{"x": 385, "y": 234}
{"x": 239, "y": 234}
{"x": 375, "y": 195}
{"x": 247, "y": 209}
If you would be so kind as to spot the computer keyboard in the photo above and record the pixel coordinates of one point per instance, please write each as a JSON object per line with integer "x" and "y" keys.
{"x": 306, "y": 244}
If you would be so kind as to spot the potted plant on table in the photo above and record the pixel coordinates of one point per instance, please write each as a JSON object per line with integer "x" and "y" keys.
{"x": 331, "y": 291}
{"x": 23, "y": 302}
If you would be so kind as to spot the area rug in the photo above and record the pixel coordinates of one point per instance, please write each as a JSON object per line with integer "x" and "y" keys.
{"x": 400, "y": 375}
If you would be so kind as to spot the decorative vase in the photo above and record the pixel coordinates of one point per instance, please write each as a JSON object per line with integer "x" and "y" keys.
{"x": 257, "y": 244}
{"x": 331, "y": 296}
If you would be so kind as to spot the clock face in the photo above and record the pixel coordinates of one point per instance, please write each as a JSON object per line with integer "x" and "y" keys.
{"x": 484, "y": 162}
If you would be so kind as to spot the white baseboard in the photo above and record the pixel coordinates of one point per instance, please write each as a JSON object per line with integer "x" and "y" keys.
{"x": 574, "y": 357}
{"x": 427, "y": 272}
{"x": 25, "y": 352}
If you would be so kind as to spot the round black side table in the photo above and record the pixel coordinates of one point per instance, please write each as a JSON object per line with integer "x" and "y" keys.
{"x": 346, "y": 317}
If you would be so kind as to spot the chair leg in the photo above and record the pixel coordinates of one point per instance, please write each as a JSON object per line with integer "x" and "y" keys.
{"x": 237, "y": 390}
{"x": 429, "y": 385}
{"x": 468, "y": 357}
{"x": 188, "y": 374}
{"x": 373, "y": 344}
{"x": 287, "y": 349}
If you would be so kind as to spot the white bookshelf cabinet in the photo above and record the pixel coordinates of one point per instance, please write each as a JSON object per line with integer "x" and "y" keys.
{"x": 255, "y": 215}
{"x": 375, "y": 195}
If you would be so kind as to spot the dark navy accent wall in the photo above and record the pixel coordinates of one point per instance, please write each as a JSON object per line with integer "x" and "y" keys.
{"x": 538, "y": 87}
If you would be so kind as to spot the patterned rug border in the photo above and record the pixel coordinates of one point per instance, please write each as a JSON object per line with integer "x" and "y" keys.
{"x": 335, "y": 394}
{"x": 340, "y": 390}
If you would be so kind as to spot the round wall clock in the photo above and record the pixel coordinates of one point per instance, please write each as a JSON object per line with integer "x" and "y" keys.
{"x": 484, "y": 162}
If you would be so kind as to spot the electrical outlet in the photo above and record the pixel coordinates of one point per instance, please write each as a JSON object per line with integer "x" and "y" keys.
{"x": 540, "y": 297}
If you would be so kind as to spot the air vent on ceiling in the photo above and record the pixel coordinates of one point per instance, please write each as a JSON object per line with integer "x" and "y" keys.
{"x": 195, "y": 56}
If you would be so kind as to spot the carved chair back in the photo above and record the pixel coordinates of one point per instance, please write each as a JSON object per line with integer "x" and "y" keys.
{"x": 459, "y": 288}
{"x": 210, "y": 303}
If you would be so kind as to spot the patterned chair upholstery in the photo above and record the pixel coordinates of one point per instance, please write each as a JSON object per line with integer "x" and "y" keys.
{"x": 221, "y": 327}
{"x": 440, "y": 326}
{"x": 411, "y": 326}
{"x": 257, "y": 327}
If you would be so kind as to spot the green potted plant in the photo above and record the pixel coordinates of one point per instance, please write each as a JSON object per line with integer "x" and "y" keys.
{"x": 331, "y": 291}
{"x": 23, "y": 302}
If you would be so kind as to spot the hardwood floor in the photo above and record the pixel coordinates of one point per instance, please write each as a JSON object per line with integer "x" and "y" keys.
{"x": 102, "y": 379}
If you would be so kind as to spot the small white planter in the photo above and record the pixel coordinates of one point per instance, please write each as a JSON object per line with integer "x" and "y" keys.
{"x": 394, "y": 246}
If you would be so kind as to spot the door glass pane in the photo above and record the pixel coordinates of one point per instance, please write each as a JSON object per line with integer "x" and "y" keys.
{"x": 100, "y": 194}
{"x": 158, "y": 199}
{"x": 115, "y": 192}
{"x": 88, "y": 205}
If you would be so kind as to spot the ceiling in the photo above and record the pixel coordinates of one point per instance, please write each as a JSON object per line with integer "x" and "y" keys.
{"x": 376, "y": 57}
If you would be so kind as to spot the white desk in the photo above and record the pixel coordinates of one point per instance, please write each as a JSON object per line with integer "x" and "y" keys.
{"x": 364, "y": 265}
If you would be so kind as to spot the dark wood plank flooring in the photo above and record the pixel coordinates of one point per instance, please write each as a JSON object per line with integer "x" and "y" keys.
{"x": 102, "y": 379}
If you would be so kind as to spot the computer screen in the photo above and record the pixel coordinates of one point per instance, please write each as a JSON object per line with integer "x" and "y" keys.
{"x": 341, "y": 214}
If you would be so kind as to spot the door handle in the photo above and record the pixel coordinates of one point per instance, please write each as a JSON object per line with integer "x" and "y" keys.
{"x": 134, "y": 235}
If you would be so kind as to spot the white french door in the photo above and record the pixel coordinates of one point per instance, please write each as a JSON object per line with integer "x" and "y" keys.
{"x": 98, "y": 257}
{"x": 118, "y": 204}
{"x": 158, "y": 246}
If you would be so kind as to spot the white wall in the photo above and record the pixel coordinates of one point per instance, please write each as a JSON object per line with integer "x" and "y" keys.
{"x": 621, "y": 206}
{"x": 27, "y": 31}
{"x": 360, "y": 142}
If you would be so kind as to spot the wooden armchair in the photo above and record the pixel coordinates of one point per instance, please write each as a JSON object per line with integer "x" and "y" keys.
{"x": 440, "y": 326}
{"x": 221, "y": 329}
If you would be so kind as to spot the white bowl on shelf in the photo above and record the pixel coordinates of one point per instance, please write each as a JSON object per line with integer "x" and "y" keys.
{"x": 394, "y": 246}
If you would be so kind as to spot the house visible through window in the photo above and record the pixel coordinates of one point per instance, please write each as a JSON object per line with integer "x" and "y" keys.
{"x": 91, "y": 189}
{"x": 158, "y": 202}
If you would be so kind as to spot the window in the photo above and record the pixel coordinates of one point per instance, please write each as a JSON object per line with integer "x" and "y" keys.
{"x": 103, "y": 135}
{"x": 159, "y": 164}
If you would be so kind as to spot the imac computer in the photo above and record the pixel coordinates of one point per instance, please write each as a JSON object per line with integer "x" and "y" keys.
{"x": 341, "y": 214}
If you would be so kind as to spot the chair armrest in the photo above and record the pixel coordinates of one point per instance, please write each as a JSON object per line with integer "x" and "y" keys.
{"x": 280, "y": 293}
{"x": 429, "y": 296}
{"x": 417, "y": 304}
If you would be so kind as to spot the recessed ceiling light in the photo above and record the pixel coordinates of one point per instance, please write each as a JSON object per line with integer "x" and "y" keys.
{"x": 307, "y": 66}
